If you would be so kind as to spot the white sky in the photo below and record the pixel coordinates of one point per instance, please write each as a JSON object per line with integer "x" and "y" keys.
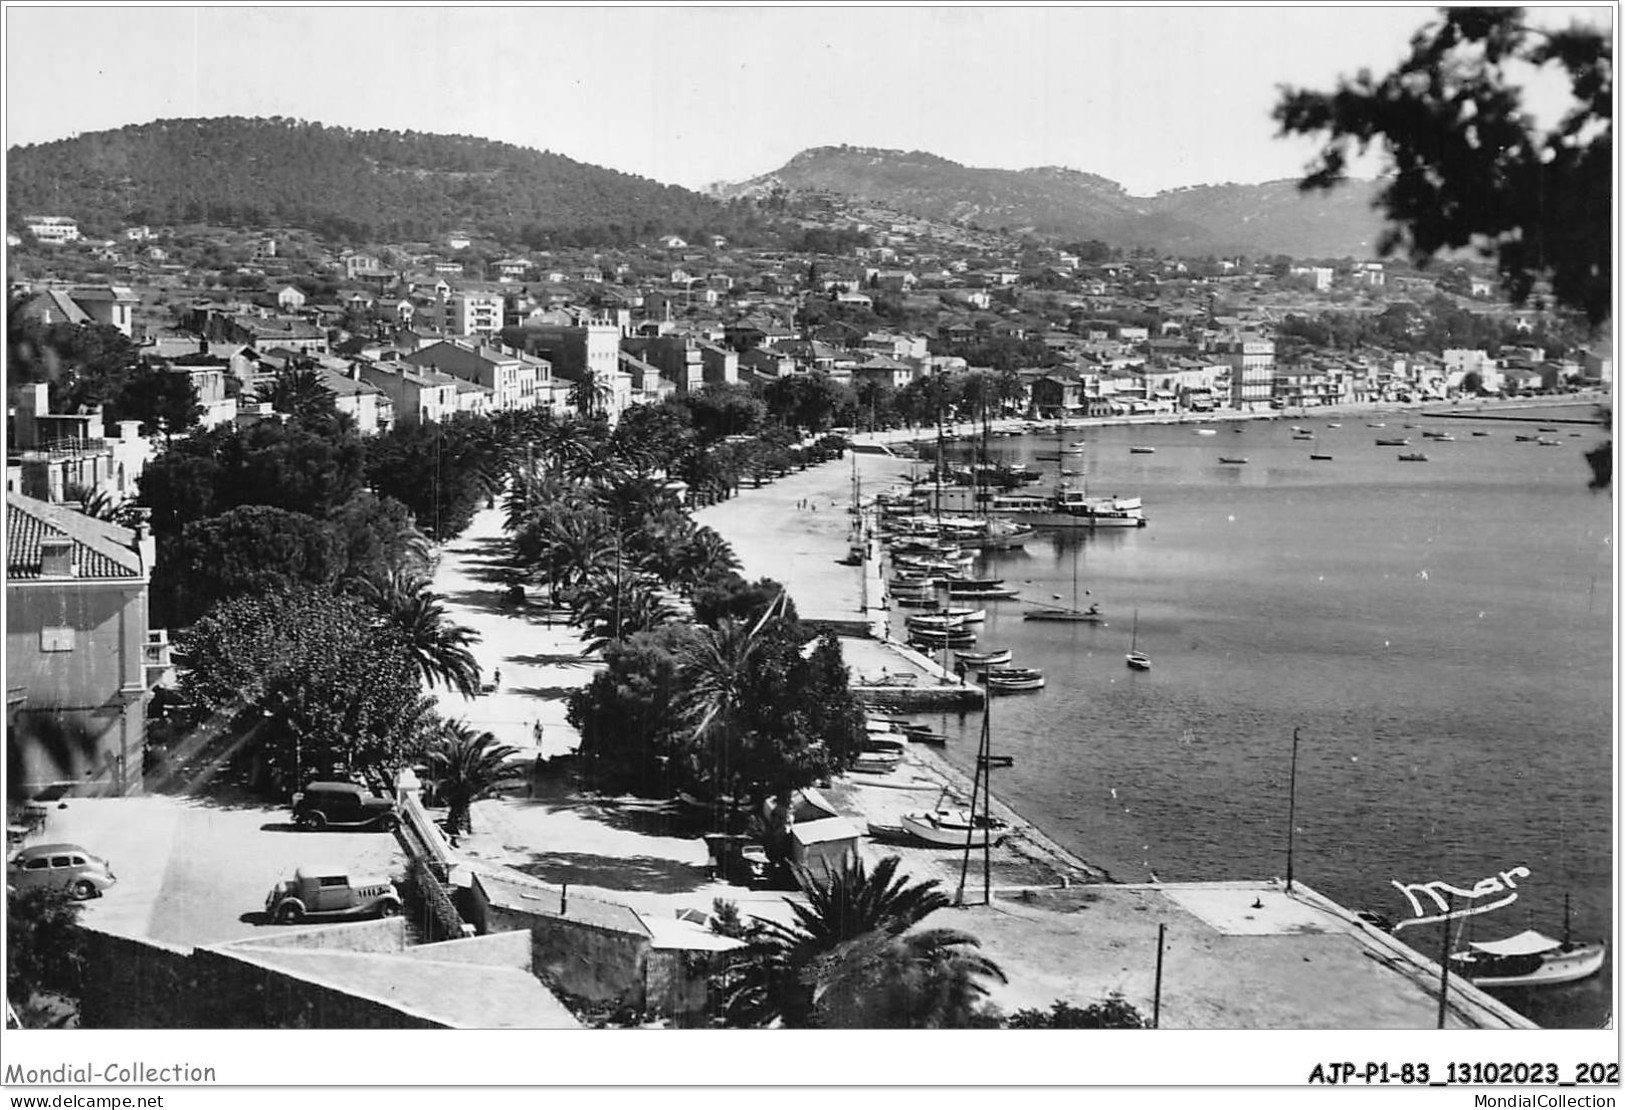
{"x": 1153, "y": 98}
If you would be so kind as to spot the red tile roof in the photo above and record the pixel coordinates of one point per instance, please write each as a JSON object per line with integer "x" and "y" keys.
{"x": 102, "y": 550}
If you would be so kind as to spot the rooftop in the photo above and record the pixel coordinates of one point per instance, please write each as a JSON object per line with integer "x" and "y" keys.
{"x": 102, "y": 550}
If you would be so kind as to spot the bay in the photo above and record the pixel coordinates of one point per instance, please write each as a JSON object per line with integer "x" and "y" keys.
{"x": 1440, "y": 634}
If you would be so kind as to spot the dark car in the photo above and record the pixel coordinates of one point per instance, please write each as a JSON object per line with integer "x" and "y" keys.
{"x": 343, "y": 805}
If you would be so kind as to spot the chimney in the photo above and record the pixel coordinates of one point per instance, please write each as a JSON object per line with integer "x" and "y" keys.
{"x": 144, "y": 544}
{"x": 56, "y": 557}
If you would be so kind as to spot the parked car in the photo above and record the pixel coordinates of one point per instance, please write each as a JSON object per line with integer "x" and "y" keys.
{"x": 343, "y": 805}
{"x": 66, "y": 866}
{"x": 321, "y": 890}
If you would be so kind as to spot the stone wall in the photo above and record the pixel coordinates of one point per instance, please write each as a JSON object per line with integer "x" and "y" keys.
{"x": 589, "y": 962}
{"x": 143, "y": 984}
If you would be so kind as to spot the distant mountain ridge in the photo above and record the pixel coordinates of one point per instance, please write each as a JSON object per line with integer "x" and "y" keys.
{"x": 1269, "y": 218}
{"x": 356, "y": 185}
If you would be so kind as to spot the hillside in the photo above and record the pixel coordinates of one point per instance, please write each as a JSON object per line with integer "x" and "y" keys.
{"x": 1272, "y": 218}
{"x": 356, "y": 185}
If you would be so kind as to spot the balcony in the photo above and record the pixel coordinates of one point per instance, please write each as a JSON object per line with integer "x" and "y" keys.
{"x": 155, "y": 659}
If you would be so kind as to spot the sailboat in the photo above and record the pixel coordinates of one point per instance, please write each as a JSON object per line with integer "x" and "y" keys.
{"x": 1136, "y": 658}
{"x": 1092, "y": 615}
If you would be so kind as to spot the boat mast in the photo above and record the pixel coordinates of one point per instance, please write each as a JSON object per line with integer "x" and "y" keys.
{"x": 980, "y": 795}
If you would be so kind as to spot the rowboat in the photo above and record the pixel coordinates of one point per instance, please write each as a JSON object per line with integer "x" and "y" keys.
{"x": 1232, "y": 461}
{"x": 1141, "y": 450}
{"x": 983, "y": 658}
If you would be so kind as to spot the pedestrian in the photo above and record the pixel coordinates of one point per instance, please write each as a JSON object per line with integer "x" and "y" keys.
{"x": 496, "y": 679}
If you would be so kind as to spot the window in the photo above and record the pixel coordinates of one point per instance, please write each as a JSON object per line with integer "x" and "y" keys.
{"x": 37, "y": 864}
{"x": 56, "y": 639}
{"x": 333, "y": 881}
{"x": 59, "y": 861}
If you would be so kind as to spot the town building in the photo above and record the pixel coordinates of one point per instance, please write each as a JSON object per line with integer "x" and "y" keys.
{"x": 1251, "y": 359}
{"x": 81, "y": 660}
{"x": 51, "y": 455}
{"x": 415, "y": 394}
{"x": 515, "y": 379}
{"x": 53, "y": 229}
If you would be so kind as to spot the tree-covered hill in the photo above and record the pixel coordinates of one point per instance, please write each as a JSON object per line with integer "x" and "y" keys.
{"x": 1271, "y": 218}
{"x": 355, "y": 185}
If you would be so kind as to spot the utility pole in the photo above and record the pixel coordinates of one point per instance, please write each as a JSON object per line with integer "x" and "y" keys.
{"x": 1291, "y": 809}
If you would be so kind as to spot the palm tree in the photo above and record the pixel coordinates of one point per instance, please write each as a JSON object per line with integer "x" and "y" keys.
{"x": 615, "y": 602}
{"x": 932, "y": 979}
{"x": 300, "y": 392}
{"x": 439, "y": 649}
{"x": 775, "y": 976}
{"x": 466, "y": 766}
{"x": 701, "y": 557}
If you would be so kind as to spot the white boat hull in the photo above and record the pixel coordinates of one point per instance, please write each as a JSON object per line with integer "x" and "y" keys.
{"x": 1564, "y": 967}
{"x": 951, "y": 830}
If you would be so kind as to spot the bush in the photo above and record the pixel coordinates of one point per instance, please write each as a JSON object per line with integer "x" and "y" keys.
{"x": 1116, "y": 1012}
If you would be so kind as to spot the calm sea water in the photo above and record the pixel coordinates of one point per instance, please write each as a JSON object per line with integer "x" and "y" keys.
{"x": 1440, "y": 633}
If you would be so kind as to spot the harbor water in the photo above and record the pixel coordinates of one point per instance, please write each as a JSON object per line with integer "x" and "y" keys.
{"x": 1439, "y": 633}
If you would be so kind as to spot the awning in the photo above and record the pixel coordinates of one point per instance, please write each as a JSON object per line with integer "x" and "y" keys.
{"x": 1526, "y": 943}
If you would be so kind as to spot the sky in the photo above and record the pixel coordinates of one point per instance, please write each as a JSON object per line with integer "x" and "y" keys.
{"x": 1151, "y": 97}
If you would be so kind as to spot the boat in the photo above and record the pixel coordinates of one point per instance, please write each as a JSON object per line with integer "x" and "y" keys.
{"x": 1481, "y": 433}
{"x": 1206, "y": 432}
{"x": 1136, "y": 658}
{"x": 1012, "y": 685}
{"x": 1547, "y": 441}
{"x": 966, "y": 592}
{"x": 876, "y": 763}
{"x": 983, "y": 658}
{"x": 1142, "y": 450}
{"x": 1068, "y": 506}
{"x": 1376, "y": 425}
{"x": 1413, "y": 456}
{"x": 1443, "y": 437}
{"x": 954, "y": 828}
{"x": 955, "y": 637}
{"x": 935, "y": 738}
{"x": 996, "y": 760}
{"x": 1399, "y": 441}
{"x": 1322, "y": 458}
{"x": 1545, "y": 429}
{"x": 1525, "y": 439}
{"x": 934, "y": 622}
{"x": 1231, "y": 461}
{"x": 1305, "y": 435}
{"x": 1529, "y": 959}
{"x": 1092, "y": 615}
{"x": 1334, "y": 425}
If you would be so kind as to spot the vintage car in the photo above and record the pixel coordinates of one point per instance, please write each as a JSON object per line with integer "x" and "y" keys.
{"x": 324, "y": 805}
{"x": 66, "y": 866}
{"x": 323, "y": 891}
